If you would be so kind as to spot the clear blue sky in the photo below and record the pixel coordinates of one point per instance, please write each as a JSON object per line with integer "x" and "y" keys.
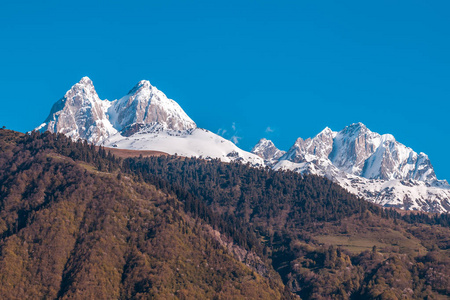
{"x": 291, "y": 66}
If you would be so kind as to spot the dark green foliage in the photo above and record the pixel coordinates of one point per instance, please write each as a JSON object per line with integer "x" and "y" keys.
{"x": 254, "y": 194}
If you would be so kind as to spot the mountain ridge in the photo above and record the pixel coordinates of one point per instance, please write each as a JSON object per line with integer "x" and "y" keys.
{"x": 143, "y": 119}
{"x": 368, "y": 164}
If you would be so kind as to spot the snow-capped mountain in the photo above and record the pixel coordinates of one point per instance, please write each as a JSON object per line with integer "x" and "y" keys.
{"x": 80, "y": 114}
{"x": 359, "y": 151}
{"x": 146, "y": 105}
{"x": 373, "y": 166}
{"x": 267, "y": 151}
{"x": 144, "y": 119}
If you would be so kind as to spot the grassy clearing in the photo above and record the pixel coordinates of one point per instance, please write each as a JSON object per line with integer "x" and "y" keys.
{"x": 386, "y": 240}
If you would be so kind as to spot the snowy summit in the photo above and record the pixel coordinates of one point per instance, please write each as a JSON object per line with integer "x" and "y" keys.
{"x": 373, "y": 166}
{"x": 143, "y": 119}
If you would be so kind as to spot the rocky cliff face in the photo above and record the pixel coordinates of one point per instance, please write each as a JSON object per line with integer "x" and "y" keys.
{"x": 358, "y": 151}
{"x": 267, "y": 151}
{"x": 311, "y": 149}
{"x": 80, "y": 114}
{"x": 146, "y": 105}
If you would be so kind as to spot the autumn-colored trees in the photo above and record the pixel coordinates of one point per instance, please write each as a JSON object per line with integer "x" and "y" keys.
{"x": 77, "y": 222}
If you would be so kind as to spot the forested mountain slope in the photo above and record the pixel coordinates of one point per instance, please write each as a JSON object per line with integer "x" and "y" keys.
{"x": 323, "y": 241}
{"x": 77, "y": 229}
{"x": 76, "y": 222}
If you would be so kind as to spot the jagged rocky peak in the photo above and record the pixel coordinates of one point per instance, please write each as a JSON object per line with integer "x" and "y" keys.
{"x": 355, "y": 129}
{"x": 80, "y": 114}
{"x": 267, "y": 150}
{"x": 296, "y": 153}
{"x": 373, "y": 166}
{"x": 326, "y": 132}
{"x": 318, "y": 147}
{"x": 321, "y": 144}
{"x": 358, "y": 151}
{"x": 86, "y": 81}
{"x": 81, "y": 93}
{"x": 146, "y": 105}
{"x": 141, "y": 85}
{"x": 393, "y": 160}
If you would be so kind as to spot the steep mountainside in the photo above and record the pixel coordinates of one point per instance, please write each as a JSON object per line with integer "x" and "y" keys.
{"x": 323, "y": 241}
{"x": 146, "y": 105}
{"x": 80, "y": 114}
{"x": 370, "y": 165}
{"x": 74, "y": 229}
{"x": 76, "y": 222}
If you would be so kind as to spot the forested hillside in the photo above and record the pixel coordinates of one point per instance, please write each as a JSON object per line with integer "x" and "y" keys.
{"x": 69, "y": 230}
{"x": 77, "y": 222}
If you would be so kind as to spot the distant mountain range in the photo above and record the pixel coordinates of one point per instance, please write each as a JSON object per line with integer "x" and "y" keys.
{"x": 373, "y": 166}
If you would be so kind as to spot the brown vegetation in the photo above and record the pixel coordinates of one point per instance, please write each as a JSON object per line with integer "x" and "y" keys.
{"x": 126, "y": 153}
{"x": 80, "y": 222}
{"x": 72, "y": 232}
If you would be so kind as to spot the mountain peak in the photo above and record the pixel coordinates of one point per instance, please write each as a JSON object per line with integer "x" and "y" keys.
{"x": 267, "y": 150}
{"x": 423, "y": 155}
{"x": 298, "y": 141}
{"x": 143, "y": 84}
{"x": 263, "y": 143}
{"x": 144, "y": 106}
{"x": 357, "y": 124}
{"x": 82, "y": 91}
{"x": 326, "y": 132}
{"x": 80, "y": 114}
{"x": 360, "y": 127}
{"x": 85, "y": 81}
{"x": 354, "y": 131}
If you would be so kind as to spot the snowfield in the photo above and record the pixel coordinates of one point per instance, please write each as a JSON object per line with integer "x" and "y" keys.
{"x": 194, "y": 143}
